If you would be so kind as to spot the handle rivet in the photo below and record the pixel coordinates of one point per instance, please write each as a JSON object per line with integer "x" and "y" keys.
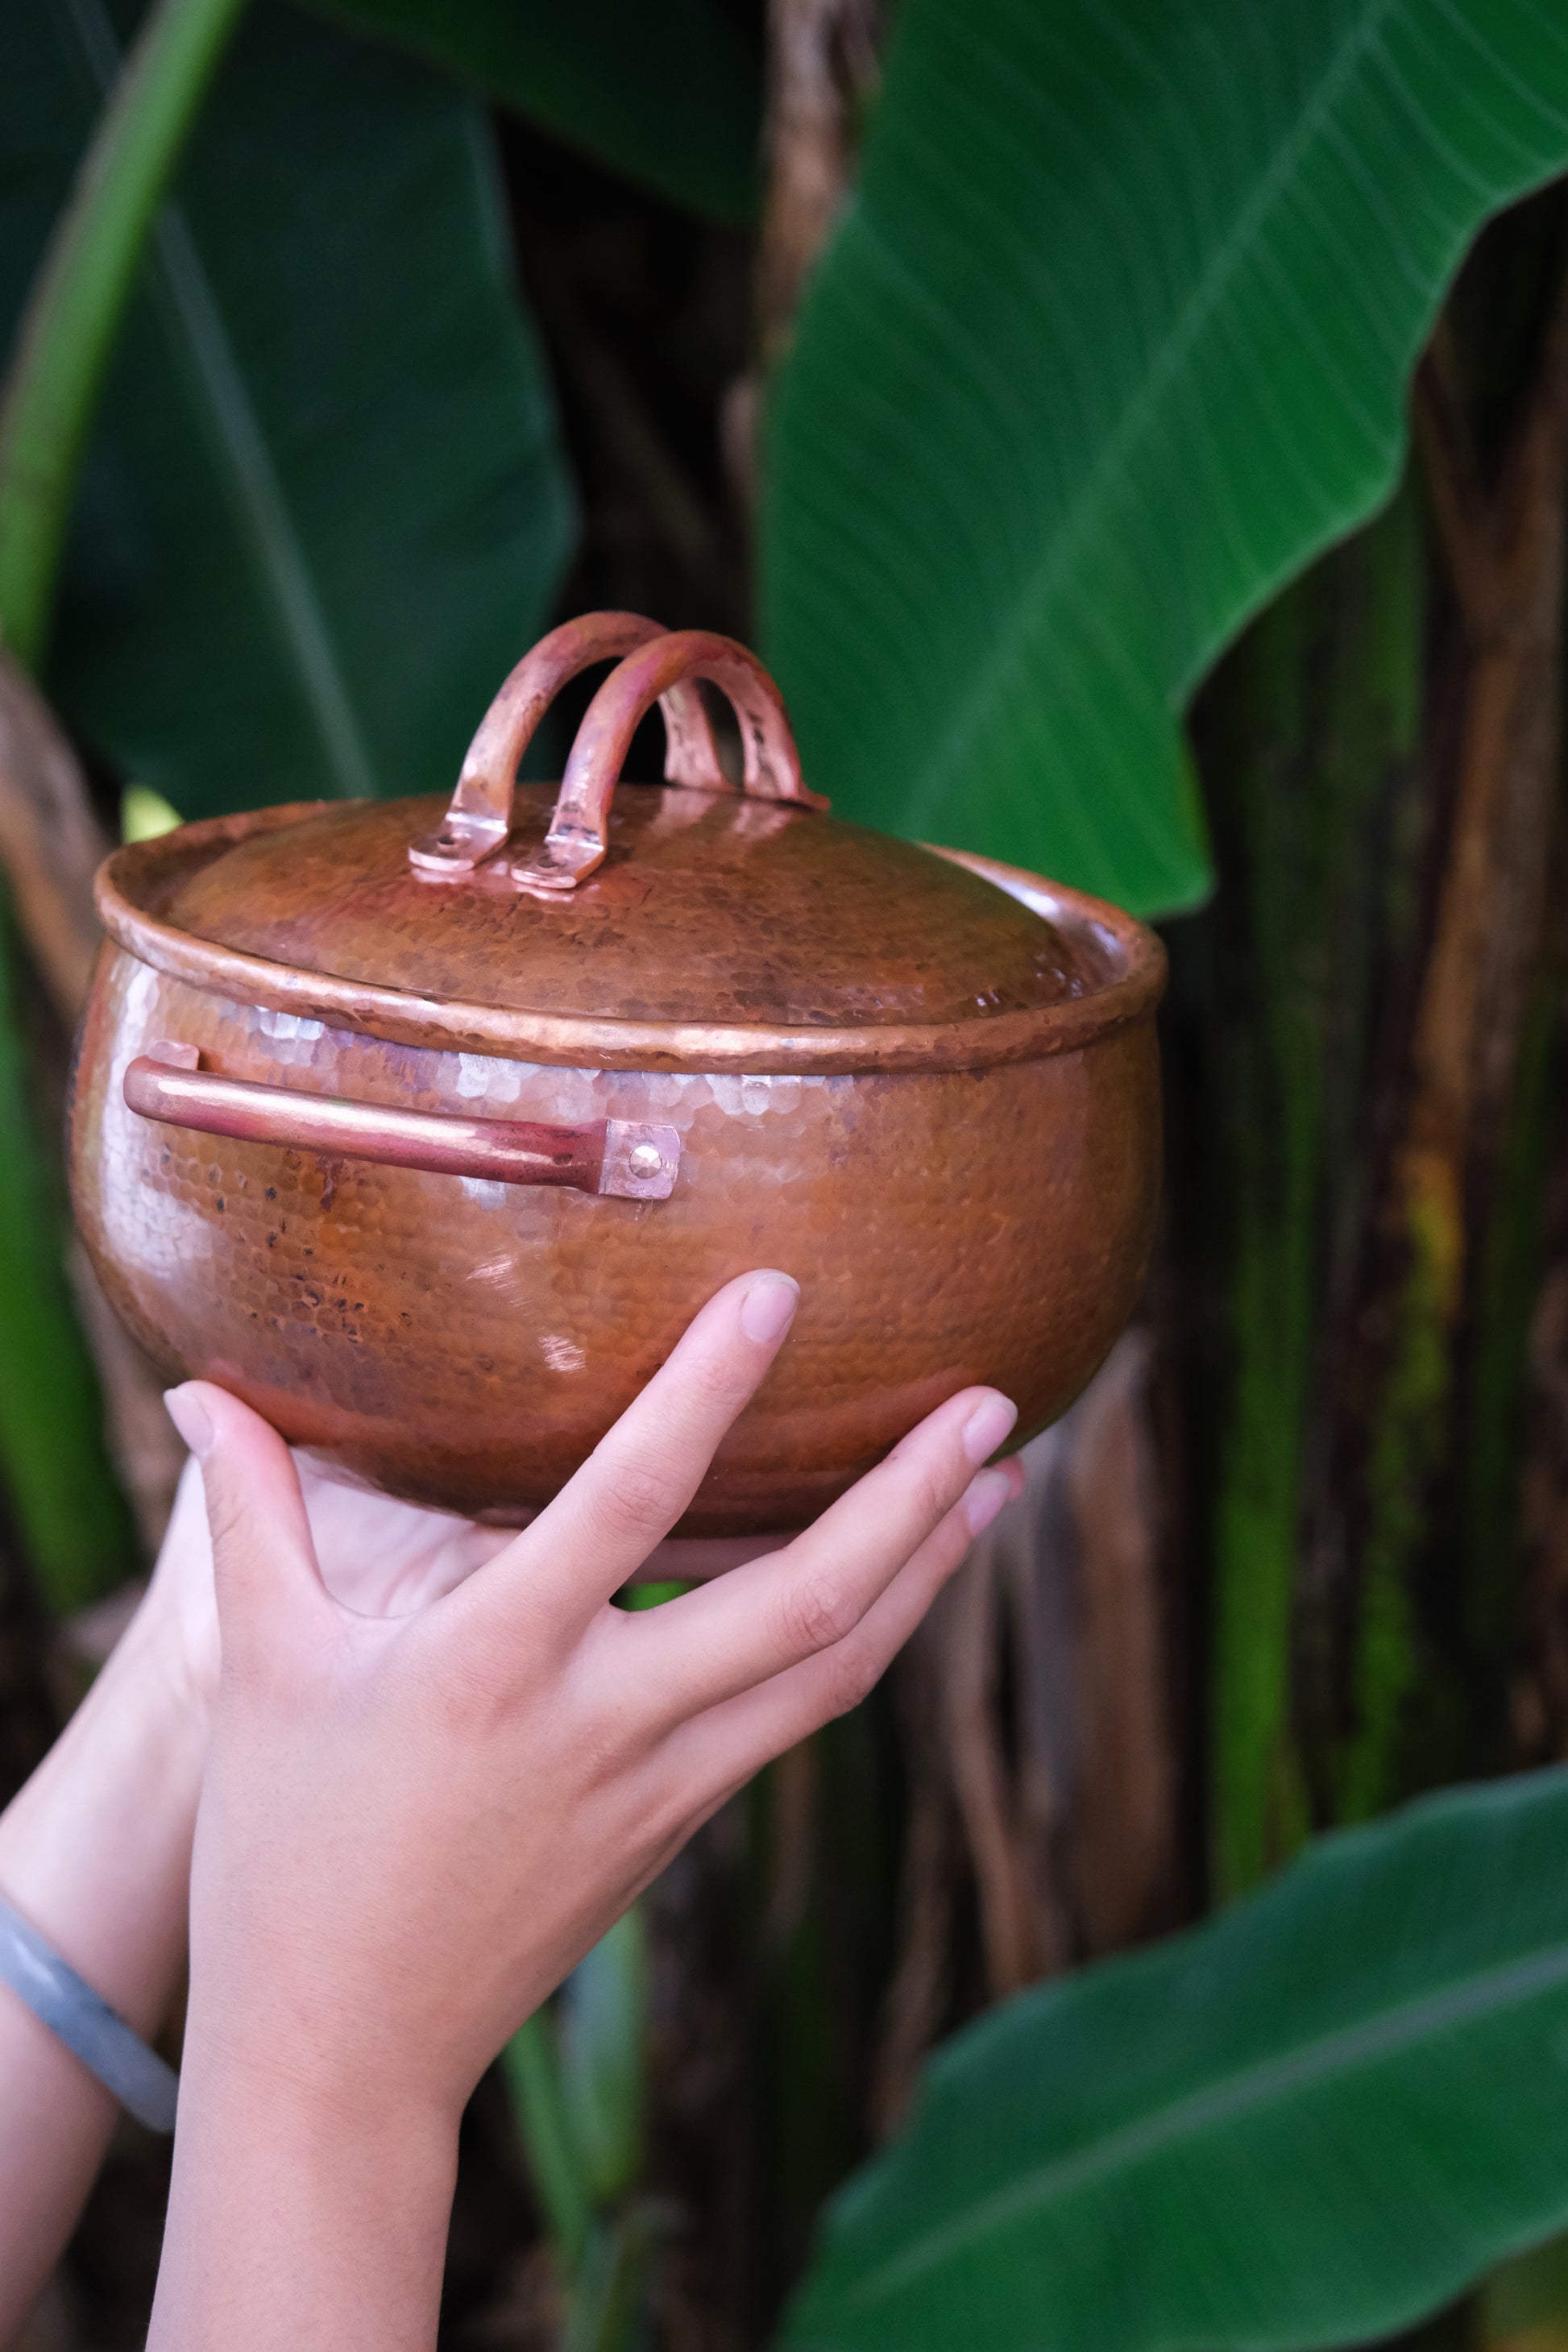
{"x": 646, "y": 1160}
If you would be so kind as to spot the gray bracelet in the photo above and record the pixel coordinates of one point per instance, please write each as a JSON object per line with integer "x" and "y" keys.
{"x": 89, "y": 2029}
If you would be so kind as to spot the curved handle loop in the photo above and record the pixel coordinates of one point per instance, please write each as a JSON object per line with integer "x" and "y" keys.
{"x": 477, "y": 821}
{"x": 575, "y": 844}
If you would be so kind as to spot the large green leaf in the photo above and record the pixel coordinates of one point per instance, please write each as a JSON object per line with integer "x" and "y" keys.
{"x": 1114, "y": 337}
{"x": 1302, "y": 2124}
{"x": 670, "y": 95}
{"x": 325, "y": 508}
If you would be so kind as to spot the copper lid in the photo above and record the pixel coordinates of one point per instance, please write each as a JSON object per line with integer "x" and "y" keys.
{"x": 677, "y": 925}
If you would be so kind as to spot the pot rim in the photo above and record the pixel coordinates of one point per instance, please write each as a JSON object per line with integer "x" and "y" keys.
{"x": 140, "y": 873}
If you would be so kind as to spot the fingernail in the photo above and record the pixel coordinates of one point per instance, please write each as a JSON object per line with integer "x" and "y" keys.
{"x": 986, "y": 1495}
{"x": 768, "y": 1309}
{"x": 190, "y": 1417}
{"x": 987, "y": 1425}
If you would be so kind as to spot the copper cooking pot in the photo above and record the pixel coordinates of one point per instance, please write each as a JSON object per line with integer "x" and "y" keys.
{"x": 426, "y": 1135}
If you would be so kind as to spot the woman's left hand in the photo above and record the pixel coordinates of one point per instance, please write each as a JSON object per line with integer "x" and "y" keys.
{"x": 95, "y": 1849}
{"x": 410, "y": 1832}
{"x": 377, "y": 1556}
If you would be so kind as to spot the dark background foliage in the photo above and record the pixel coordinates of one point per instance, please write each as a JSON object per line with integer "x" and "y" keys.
{"x": 1301, "y": 1552}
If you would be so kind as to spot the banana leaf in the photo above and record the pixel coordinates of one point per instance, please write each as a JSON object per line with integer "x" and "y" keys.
{"x": 1306, "y": 2124}
{"x": 325, "y": 508}
{"x": 1114, "y": 336}
{"x": 669, "y": 96}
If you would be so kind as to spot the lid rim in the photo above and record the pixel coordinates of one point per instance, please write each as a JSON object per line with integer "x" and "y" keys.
{"x": 585, "y": 1041}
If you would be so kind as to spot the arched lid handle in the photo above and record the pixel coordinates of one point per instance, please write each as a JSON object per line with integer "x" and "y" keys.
{"x": 480, "y": 817}
{"x": 576, "y": 844}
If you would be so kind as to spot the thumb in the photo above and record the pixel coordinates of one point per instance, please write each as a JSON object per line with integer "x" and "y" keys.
{"x": 264, "y": 1555}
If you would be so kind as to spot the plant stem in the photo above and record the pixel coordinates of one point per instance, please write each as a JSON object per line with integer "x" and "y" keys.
{"x": 79, "y": 298}
{"x": 532, "y": 2072}
{"x": 608, "y": 2293}
{"x": 601, "y": 2035}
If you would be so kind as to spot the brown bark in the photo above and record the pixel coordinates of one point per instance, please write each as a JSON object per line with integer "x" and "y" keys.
{"x": 1120, "y": 1856}
{"x": 1037, "y": 1723}
{"x": 1422, "y": 1622}
{"x": 822, "y": 72}
{"x": 50, "y": 847}
{"x": 921, "y": 1994}
{"x": 660, "y": 490}
{"x": 50, "y": 841}
{"x": 1504, "y": 548}
{"x": 1021, "y": 1930}
{"x": 822, "y": 56}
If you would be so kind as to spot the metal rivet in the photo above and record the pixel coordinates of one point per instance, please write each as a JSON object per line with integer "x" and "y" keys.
{"x": 646, "y": 1160}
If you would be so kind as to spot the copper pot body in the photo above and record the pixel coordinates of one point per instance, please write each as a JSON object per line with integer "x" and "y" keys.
{"x": 465, "y": 1344}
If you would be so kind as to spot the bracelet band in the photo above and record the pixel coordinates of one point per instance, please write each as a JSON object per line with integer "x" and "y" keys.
{"x": 84, "y": 2022}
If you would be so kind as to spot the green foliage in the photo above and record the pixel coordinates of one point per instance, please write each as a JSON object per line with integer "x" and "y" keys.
{"x": 58, "y": 1487}
{"x": 601, "y": 2024}
{"x": 1512, "y": 1265}
{"x": 1115, "y": 335}
{"x": 532, "y": 2066}
{"x": 325, "y": 508}
{"x": 1307, "y": 744}
{"x": 1409, "y": 1430}
{"x": 1304, "y": 2124}
{"x": 576, "y": 2076}
{"x": 606, "y": 2310}
{"x": 671, "y": 96}
{"x": 76, "y": 308}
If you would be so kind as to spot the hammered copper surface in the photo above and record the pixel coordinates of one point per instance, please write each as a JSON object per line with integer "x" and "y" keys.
{"x": 710, "y": 909}
{"x": 137, "y": 888}
{"x": 466, "y": 1344}
{"x": 924, "y": 1085}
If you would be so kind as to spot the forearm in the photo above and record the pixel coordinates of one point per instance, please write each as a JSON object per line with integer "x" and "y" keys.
{"x": 298, "y": 2218}
{"x": 95, "y": 1852}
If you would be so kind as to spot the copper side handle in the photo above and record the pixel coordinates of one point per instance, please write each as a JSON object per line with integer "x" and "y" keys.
{"x": 626, "y": 1157}
{"x": 577, "y": 840}
{"x": 480, "y": 817}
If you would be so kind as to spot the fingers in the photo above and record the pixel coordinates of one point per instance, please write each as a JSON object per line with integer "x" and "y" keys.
{"x": 187, "y": 1548}
{"x": 640, "y": 1478}
{"x": 697, "y": 1560}
{"x": 721, "y": 1750}
{"x": 760, "y": 1620}
{"x": 384, "y": 1559}
{"x": 264, "y": 1560}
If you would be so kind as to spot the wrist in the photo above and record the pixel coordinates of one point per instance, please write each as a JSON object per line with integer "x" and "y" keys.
{"x": 284, "y": 2038}
{"x": 304, "y": 2207}
{"x": 95, "y": 1849}
{"x": 295, "y": 2088}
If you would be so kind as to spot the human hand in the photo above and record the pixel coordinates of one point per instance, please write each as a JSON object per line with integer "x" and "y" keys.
{"x": 377, "y": 1556}
{"x": 413, "y": 1828}
{"x": 94, "y": 1850}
